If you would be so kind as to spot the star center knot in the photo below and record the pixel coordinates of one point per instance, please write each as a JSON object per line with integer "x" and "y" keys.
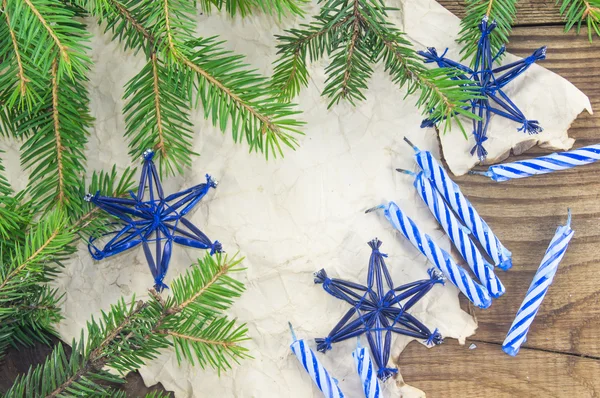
{"x": 156, "y": 220}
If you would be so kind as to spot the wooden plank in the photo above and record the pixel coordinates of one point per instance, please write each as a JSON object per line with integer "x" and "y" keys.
{"x": 525, "y": 214}
{"x": 454, "y": 371}
{"x": 529, "y": 12}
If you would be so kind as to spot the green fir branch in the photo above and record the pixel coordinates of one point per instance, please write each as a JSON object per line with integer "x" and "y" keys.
{"x": 228, "y": 91}
{"x": 15, "y": 218}
{"x": 214, "y": 344}
{"x": 48, "y": 27}
{"x": 28, "y": 308}
{"x": 157, "y": 117}
{"x": 43, "y": 93}
{"x": 290, "y": 72}
{"x": 235, "y": 97}
{"x": 200, "y": 72}
{"x": 581, "y": 12}
{"x": 503, "y": 12}
{"x": 31, "y": 320}
{"x": 56, "y": 139}
{"x": 356, "y": 34}
{"x": 19, "y": 77}
{"x": 349, "y": 70}
{"x": 5, "y": 188}
{"x": 244, "y": 8}
{"x": 34, "y": 261}
{"x": 7, "y": 120}
{"x": 125, "y": 19}
{"x": 128, "y": 335}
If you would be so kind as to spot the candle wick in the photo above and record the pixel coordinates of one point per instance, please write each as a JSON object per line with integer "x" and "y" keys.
{"x": 372, "y": 209}
{"x": 292, "y": 331}
{"x": 569, "y": 217}
{"x": 411, "y": 144}
{"x": 479, "y": 173}
{"x": 410, "y": 173}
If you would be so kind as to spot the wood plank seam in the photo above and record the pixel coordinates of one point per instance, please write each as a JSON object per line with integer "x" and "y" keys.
{"x": 558, "y": 352}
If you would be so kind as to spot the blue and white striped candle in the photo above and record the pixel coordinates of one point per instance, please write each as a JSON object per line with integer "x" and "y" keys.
{"x": 542, "y": 280}
{"x": 317, "y": 372}
{"x": 476, "y": 293}
{"x": 458, "y": 234}
{"x": 463, "y": 208}
{"x": 367, "y": 372}
{"x": 543, "y": 164}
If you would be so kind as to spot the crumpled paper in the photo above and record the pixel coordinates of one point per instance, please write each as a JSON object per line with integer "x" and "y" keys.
{"x": 289, "y": 217}
{"x": 540, "y": 94}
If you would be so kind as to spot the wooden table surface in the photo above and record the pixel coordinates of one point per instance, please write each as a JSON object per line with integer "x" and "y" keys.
{"x": 562, "y": 355}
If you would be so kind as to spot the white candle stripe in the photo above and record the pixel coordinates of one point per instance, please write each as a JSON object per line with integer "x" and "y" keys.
{"x": 544, "y": 164}
{"x": 317, "y": 372}
{"x": 542, "y": 280}
{"x": 458, "y": 235}
{"x": 465, "y": 211}
{"x": 367, "y": 373}
{"x": 476, "y": 293}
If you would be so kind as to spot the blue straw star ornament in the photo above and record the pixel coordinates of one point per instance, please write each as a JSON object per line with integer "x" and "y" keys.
{"x": 154, "y": 221}
{"x": 378, "y": 310}
{"x": 491, "y": 81}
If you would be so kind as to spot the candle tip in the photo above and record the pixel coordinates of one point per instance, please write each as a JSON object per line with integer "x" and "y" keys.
{"x": 292, "y": 331}
{"x": 411, "y": 144}
{"x": 372, "y": 209}
{"x": 410, "y": 173}
{"x": 569, "y": 217}
{"x": 479, "y": 173}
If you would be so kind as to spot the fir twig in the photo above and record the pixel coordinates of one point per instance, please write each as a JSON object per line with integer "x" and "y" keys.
{"x": 29, "y": 307}
{"x": 157, "y": 117}
{"x": 130, "y": 334}
{"x": 501, "y": 11}
{"x": 232, "y": 96}
{"x": 56, "y": 138}
{"x": 581, "y": 12}
{"x": 22, "y": 79}
{"x": 356, "y": 34}
{"x": 247, "y": 7}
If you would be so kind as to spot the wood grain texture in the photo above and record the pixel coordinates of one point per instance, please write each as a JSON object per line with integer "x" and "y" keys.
{"x": 562, "y": 355}
{"x": 525, "y": 214}
{"x": 456, "y": 371}
{"x": 529, "y": 12}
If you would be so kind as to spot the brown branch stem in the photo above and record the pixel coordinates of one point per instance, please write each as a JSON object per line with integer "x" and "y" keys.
{"x": 29, "y": 259}
{"x": 95, "y": 360}
{"x": 57, "y": 137}
{"x": 61, "y": 47}
{"x": 21, "y": 72}
{"x": 198, "y": 339}
{"x": 351, "y": 47}
{"x": 159, "y": 126}
{"x": 489, "y": 8}
{"x": 266, "y": 121}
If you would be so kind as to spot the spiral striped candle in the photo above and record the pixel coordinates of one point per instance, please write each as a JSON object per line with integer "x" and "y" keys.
{"x": 463, "y": 208}
{"x": 319, "y": 375}
{"x": 543, "y": 164}
{"x": 476, "y": 293}
{"x": 458, "y": 234}
{"x": 367, "y": 372}
{"x": 542, "y": 280}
